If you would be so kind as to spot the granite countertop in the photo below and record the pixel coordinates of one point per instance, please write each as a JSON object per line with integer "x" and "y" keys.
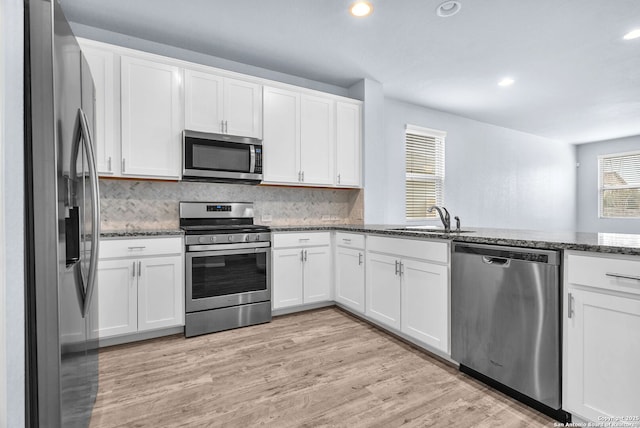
{"x": 139, "y": 233}
{"x": 613, "y": 243}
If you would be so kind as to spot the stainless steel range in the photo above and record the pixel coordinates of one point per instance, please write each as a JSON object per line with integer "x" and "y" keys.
{"x": 227, "y": 267}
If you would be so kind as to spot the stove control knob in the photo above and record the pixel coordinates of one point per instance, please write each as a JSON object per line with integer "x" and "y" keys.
{"x": 246, "y": 238}
{"x": 212, "y": 239}
{"x": 257, "y": 236}
{"x": 230, "y": 238}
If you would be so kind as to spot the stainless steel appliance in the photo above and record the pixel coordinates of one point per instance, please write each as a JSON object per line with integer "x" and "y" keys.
{"x": 227, "y": 267}
{"x": 221, "y": 158}
{"x": 62, "y": 223}
{"x": 506, "y": 319}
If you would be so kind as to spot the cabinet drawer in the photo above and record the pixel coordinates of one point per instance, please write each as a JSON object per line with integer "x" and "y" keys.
{"x": 140, "y": 247}
{"x": 425, "y": 250}
{"x": 350, "y": 240}
{"x": 282, "y": 240}
{"x": 609, "y": 273}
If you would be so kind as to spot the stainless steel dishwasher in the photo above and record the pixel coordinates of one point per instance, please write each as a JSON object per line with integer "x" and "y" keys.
{"x": 506, "y": 320}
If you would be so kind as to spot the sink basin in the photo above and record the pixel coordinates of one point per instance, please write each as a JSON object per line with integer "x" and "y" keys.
{"x": 429, "y": 229}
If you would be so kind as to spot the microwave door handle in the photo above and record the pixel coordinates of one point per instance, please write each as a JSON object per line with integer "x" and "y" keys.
{"x": 252, "y": 160}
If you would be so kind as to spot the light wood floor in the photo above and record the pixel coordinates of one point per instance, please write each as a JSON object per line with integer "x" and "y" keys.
{"x": 319, "y": 368}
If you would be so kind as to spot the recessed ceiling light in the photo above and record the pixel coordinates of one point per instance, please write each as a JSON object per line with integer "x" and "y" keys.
{"x": 361, "y": 8}
{"x": 632, "y": 34}
{"x": 448, "y": 8}
{"x": 507, "y": 81}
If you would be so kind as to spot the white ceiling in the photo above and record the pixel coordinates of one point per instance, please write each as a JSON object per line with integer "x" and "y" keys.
{"x": 577, "y": 80}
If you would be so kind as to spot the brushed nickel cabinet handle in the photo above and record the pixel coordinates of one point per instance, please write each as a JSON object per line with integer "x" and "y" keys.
{"x": 570, "y": 306}
{"x": 134, "y": 270}
{"x": 618, "y": 275}
{"x": 139, "y": 268}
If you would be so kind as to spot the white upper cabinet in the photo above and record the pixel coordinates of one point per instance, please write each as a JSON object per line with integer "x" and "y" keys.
{"x": 301, "y": 135}
{"x": 348, "y": 143}
{"x": 151, "y": 118}
{"x": 218, "y": 104}
{"x": 202, "y": 101}
{"x": 144, "y": 101}
{"x": 317, "y": 121}
{"x": 242, "y": 108}
{"x": 281, "y": 158}
{"x": 104, "y": 69}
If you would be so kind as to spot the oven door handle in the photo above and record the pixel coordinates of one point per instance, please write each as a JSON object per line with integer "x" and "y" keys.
{"x": 195, "y": 254}
{"x": 223, "y": 247}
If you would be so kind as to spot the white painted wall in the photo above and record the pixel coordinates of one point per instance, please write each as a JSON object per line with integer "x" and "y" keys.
{"x": 374, "y": 149}
{"x": 11, "y": 216}
{"x": 494, "y": 177}
{"x": 588, "y": 215}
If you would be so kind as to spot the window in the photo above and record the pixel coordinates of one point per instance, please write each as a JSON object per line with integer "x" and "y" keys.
{"x": 424, "y": 171}
{"x": 620, "y": 185}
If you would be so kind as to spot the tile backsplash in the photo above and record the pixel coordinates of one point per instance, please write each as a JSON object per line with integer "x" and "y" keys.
{"x": 139, "y": 205}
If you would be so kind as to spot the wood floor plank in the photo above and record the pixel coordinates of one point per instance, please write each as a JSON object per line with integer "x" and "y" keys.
{"x": 318, "y": 368}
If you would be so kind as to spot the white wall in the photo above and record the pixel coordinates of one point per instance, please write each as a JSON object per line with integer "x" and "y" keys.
{"x": 494, "y": 177}
{"x": 588, "y": 220}
{"x": 11, "y": 216}
{"x": 374, "y": 149}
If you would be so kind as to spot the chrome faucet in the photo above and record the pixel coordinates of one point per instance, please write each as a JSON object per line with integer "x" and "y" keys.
{"x": 445, "y": 218}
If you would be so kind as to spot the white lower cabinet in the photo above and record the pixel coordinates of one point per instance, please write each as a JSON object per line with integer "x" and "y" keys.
{"x": 302, "y": 273}
{"x": 287, "y": 278}
{"x": 425, "y": 303}
{"x": 383, "y": 289}
{"x": 117, "y": 297}
{"x": 160, "y": 302}
{"x": 350, "y": 277}
{"x": 602, "y": 343}
{"x": 316, "y": 275}
{"x": 407, "y": 293}
{"x": 140, "y": 286}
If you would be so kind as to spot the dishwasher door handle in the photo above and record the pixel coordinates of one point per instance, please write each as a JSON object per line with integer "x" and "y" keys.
{"x": 496, "y": 261}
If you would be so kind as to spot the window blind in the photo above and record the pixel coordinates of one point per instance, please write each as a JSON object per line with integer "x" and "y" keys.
{"x": 620, "y": 185}
{"x": 424, "y": 171}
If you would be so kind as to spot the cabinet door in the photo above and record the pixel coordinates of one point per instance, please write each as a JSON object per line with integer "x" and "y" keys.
{"x": 242, "y": 108}
{"x": 350, "y": 278}
{"x": 425, "y": 303}
{"x": 160, "y": 293}
{"x": 202, "y": 101}
{"x": 603, "y": 345}
{"x": 106, "y": 107}
{"x": 348, "y": 154}
{"x": 281, "y": 144}
{"x": 151, "y": 123}
{"x": 383, "y": 289}
{"x": 317, "y": 274}
{"x": 117, "y": 297}
{"x": 287, "y": 278}
{"x": 317, "y": 137}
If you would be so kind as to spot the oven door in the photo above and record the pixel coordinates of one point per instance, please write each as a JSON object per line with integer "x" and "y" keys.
{"x": 219, "y": 279}
{"x": 219, "y": 157}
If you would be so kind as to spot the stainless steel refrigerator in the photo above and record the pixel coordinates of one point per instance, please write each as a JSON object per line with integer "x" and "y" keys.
{"x": 62, "y": 217}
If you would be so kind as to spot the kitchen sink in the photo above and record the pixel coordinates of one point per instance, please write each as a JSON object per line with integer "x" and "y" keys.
{"x": 429, "y": 229}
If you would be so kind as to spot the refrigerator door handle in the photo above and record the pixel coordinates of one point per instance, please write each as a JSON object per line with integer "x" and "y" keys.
{"x": 82, "y": 133}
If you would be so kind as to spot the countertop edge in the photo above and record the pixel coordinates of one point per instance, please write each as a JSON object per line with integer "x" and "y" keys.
{"x": 384, "y": 230}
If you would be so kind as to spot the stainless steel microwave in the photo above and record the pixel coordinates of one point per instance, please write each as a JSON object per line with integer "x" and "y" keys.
{"x": 221, "y": 158}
